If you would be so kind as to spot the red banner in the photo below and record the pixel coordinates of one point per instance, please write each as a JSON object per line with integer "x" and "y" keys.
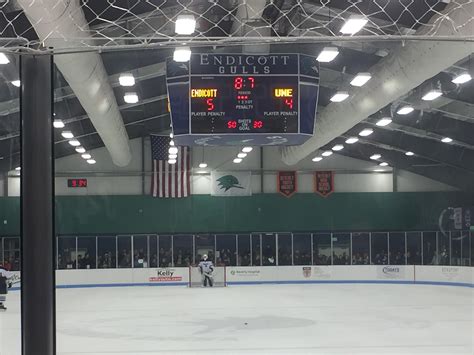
{"x": 324, "y": 183}
{"x": 287, "y": 183}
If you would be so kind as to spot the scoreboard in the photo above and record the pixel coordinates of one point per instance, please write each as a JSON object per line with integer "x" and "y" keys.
{"x": 232, "y": 99}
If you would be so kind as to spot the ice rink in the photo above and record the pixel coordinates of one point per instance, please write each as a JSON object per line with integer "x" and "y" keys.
{"x": 271, "y": 319}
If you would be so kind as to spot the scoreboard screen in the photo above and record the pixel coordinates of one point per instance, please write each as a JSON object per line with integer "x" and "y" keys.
{"x": 231, "y": 99}
{"x": 244, "y": 104}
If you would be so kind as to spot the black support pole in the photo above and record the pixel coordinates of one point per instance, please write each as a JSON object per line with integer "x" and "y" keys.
{"x": 37, "y": 195}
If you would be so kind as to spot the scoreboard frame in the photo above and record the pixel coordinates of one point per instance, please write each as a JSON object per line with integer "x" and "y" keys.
{"x": 179, "y": 83}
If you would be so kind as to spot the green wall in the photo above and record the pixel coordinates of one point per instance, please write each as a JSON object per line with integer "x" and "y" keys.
{"x": 263, "y": 212}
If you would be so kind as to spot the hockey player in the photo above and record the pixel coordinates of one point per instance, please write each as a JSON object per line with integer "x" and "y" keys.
{"x": 207, "y": 268}
{"x": 5, "y": 284}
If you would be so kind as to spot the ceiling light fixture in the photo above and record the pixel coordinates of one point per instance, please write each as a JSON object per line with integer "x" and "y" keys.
{"x": 247, "y": 149}
{"x": 172, "y": 143}
{"x": 432, "y": 95}
{"x": 126, "y": 79}
{"x": 462, "y": 78}
{"x": 353, "y": 25}
{"x": 172, "y": 156}
{"x": 379, "y": 170}
{"x": 241, "y": 155}
{"x": 4, "y": 59}
{"x": 327, "y": 54}
{"x": 91, "y": 161}
{"x": 366, "y": 132}
{"x": 173, "y": 150}
{"x": 18, "y": 168}
{"x": 384, "y": 122}
{"x": 375, "y": 156}
{"x": 409, "y": 154}
{"x": 203, "y": 165}
{"x": 383, "y": 164}
{"x": 130, "y": 98}
{"x": 326, "y": 153}
{"x": 361, "y": 79}
{"x": 182, "y": 54}
{"x": 185, "y": 25}
{"x": 340, "y": 96}
{"x": 86, "y": 156}
{"x": 338, "y": 147}
{"x": 172, "y": 161}
{"x": 58, "y": 124}
{"x": 80, "y": 150}
{"x": 405, "y": 110}
{"x": 74, "y": 143}
{"x": 446, "y": 140}
{"x": 16, "y": 83}
{"x": 316, "y": 159}
{"x": 352, "y": 140}
{"x": 67, "y": 134}
{"x": 237, "y": 161}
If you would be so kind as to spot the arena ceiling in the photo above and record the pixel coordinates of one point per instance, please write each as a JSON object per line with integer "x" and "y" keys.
{"x": 420, "y": 132}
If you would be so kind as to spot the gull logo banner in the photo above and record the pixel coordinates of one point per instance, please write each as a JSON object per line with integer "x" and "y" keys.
{"x": 235, "y": 183}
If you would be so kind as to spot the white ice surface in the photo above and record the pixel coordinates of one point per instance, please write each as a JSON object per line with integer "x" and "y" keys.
{"x": 280, "y": 319}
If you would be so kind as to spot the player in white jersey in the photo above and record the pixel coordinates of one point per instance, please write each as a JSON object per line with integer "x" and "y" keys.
{"x": 5, "y": 284}
{"x": 207, "y": 268}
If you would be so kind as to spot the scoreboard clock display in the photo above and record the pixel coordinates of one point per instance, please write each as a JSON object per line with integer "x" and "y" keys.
{"x": 235, "y": 99}
{"x": 76, "y": 183}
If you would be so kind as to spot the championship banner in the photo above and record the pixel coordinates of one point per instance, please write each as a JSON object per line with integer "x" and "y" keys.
{"x": 324, "y": 183}
{"x": 234, "y": 183}
{"x": 286, "y": 181}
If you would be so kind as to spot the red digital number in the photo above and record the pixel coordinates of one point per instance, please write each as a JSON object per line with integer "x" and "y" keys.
{"x": 210, "y": 104}
{"x": 289, "y": 103}
{"x": 232, "y": 124}
{"x": 74, "y": 183}
{"x": 252, "y": 82}
{"x": 238, "y": 83}
{"x": 257, "y": 124}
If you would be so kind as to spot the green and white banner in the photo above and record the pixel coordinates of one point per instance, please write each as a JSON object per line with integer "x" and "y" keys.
{"x": 231, "y": 183}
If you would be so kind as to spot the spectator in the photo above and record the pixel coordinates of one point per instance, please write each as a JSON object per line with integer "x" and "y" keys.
{"x": 6, "y": 265}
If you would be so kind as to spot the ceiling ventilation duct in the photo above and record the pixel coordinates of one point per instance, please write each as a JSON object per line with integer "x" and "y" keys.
{"x": 395, "y": 75}
{"x": 62, "y": 25}
{"x": 249, "y": 23}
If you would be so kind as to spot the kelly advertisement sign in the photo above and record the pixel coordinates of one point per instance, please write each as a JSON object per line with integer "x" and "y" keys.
{"x": 287, "y": 183}
{"x": 324, "y": 183}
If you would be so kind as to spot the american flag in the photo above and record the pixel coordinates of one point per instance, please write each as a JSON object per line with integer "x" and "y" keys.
{"x": 169, "y": 180}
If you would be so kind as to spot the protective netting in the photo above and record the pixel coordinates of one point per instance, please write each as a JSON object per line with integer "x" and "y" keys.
{"x": 68, "y": 25}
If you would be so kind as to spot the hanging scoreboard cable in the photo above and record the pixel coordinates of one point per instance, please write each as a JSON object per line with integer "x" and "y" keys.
{"x": 226, "y": 99}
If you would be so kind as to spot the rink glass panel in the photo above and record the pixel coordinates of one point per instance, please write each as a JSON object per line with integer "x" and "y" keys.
{"x": 115, "y": 251}
{"x": 285, "y": 249}
{"x": 226, "y": 249}
{"x": 414, "y": 249}
{"x": 244, "y": 255}
{"x": 322, "y": 249}
{"x": 302, "y": 254}
{"x": 397, "y": 248}
{"x": 360, "y": 243}
{"x": 341, "y": 249}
